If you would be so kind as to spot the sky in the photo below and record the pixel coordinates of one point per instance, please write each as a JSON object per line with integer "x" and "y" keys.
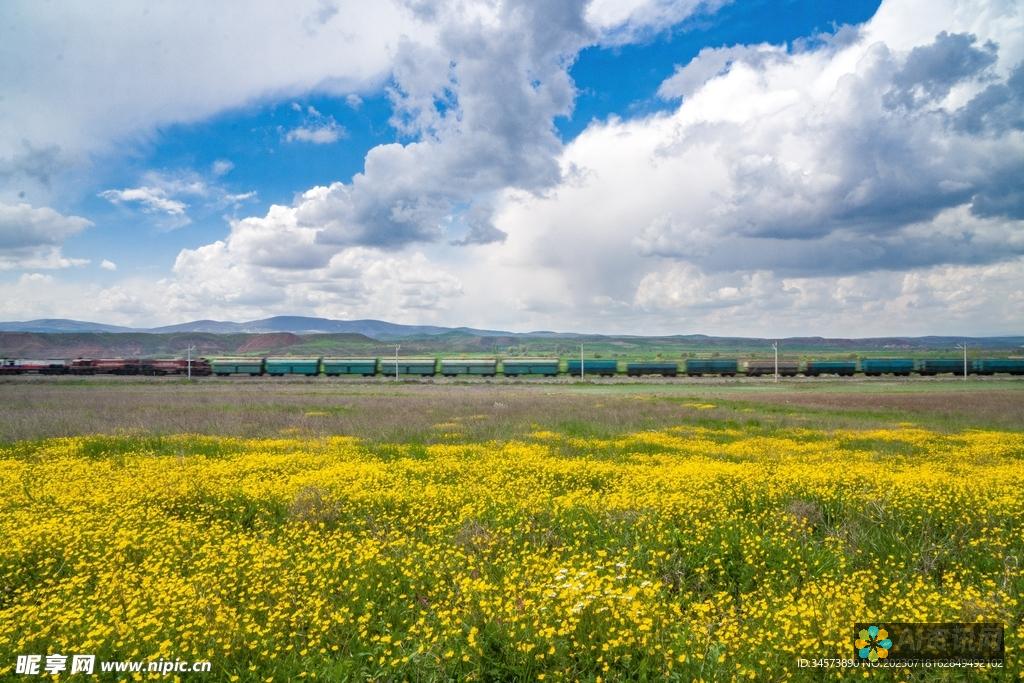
{"x": 841, "y": 168}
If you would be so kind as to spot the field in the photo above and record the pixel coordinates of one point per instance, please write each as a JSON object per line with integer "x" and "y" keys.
{"x": 341, "y": 531}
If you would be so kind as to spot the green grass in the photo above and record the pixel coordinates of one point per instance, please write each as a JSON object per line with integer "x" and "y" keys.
{"x": 412, "y": 412}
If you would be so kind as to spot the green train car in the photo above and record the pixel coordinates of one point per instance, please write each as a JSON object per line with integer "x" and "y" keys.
{"x": 876, "y": 367}
{"x": 222, "y": 367}
{"x": 423, "y": 367}
{"x": 991, "y": 366}
{"x": 530, "y": 366}
{"x": 279, "y": 367}
{"x": 938, "y": 366}
{"x": 602, "y": 367}
{"x": 698, "y": 367}
{"x": 479, "y": 367}
{"x": 334, "y": 367}
{"x": 758, "y": 368}
{"x": 652, "y": 368}
{"x": 842, "y": 368}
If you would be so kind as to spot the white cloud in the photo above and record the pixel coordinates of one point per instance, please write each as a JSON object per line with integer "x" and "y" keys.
{"x": 35, "y": 279}
{"x": 86, "y": 78}
{"x": 622, "y": 21}
{"x": 108, "y": 265}
{"x": 221, "y": 167}
{"x": 31, "y": 237}
{"x": 22, "y": 225}
{"x": 713, "y": 62}
{"x": 786, "y": 193}
{"x": 151, "y": 199}
{"x": 321, "y": 133}
{"x": 161, "y": 194}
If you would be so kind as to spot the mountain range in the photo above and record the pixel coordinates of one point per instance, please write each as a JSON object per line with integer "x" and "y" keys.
{"x": 377, "y": 329}
{"x": 297, "y": 335}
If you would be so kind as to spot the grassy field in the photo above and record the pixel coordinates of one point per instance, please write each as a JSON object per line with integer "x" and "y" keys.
{"x": 381, "y": 410}
{"x": 336, "y": 531}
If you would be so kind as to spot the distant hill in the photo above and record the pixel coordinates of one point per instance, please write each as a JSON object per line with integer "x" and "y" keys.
{"x": 377, "y": 329}
{"x": 463, "y": 341}
{"x": 60, "y": 325}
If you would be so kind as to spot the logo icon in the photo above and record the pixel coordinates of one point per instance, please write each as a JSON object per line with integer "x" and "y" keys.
{"x": 873, "y": 643}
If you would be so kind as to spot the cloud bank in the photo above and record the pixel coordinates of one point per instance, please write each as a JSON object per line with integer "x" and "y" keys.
{"x": 862, "y": 182}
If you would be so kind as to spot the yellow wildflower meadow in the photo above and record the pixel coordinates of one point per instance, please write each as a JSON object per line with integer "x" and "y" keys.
{"x": 689, "y": 553}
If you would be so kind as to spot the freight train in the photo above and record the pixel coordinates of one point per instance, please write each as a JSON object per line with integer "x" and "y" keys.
{"x": 508, "y": 367}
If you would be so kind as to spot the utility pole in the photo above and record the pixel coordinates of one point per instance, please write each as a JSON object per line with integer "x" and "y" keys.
{"x": 188, "y": 354}
{"x": 581, "y": 362}
{"x": 775, "y": 347}
{"x": 964, "y": 347}
{"x": 397, "y": 346}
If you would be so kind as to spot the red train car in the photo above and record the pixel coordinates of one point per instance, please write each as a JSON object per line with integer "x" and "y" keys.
{"x": 106, "y": 366}
{"x": 9, "y": 366}
{"x": 176, "y": 366}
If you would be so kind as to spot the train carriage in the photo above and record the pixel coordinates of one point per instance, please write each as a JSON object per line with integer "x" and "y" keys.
{"x": 758, "y": 368}
{"x": 423, "y": 367}
{"x": 279, "y": 367}
{"x": 602, "y": 367}
{"x": 333, "y": 367}
{"x": 725, "y": 367}
{"x": 517, "y": 367}
{"x": 453, "y": 367}
{"x": 106, "y": 366}
{"x": 222, "y": 367}
{"x": 198, "y": 367}
{"x": 642, "y": 368}
{"x": 876, "y": 367}
{"x": 840, "y": 368}
{"x": 12, "y": 366}
{"x": 937, "y": 366}
{"x": 991, "y": 366}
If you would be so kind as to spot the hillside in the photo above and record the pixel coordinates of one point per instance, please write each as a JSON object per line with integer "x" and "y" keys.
{"x": 134, "y": 344}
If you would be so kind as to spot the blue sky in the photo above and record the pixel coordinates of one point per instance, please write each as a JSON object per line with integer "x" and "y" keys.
{"x": 513, "y": 165}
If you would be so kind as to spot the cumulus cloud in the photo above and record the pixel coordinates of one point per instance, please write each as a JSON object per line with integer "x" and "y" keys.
{"x": 478, "y": 104}
{"x": 76, "y": 95}
{"x": 623, "y": 21}
{"x": 162, "y": 193}
{"x": 799, "y": 164}
{"x": 151, "y": 199}
{"x": 221, "y": 167}
{"x": 353, "y": 283}
{"x": 712, "y": 62}
{"x": 22, "y": 225}
{"x": 31, "y": 237}
{"x": 319, "y": 134}
{"x": 317, "y": 128}
{"x": 108, "y": 265}
{"x": 889, "y": 155}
